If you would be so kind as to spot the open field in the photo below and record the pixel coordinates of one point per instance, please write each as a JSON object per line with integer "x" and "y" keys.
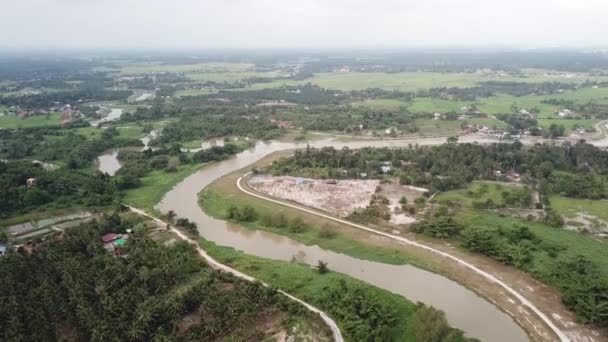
{"x": 158, "y": 67}
{"x": 568, "y": 123}
{"x": 488, "y": 122}
{"x": 432, "y": 105}
{"x": 569, "y": 243}
{"x": 195, "y": 92}
{"x": 438, "y": 127}
{"x": 339, "y": 199}
{"x": 582, "y": 215}
{"x": 477, "y": 191}
{"x": 568, "y": 207}
{"x": 155, "y": 185}
{"x": 412, "y": 81}
{"x": 13, "y": 122}
{"x": 381, "y": 104}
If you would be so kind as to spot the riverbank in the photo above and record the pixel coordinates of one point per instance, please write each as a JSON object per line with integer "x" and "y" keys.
{"x": 156, "y": 184}
{"x": 376, "y": 249}
{"x": 362, "y": 311}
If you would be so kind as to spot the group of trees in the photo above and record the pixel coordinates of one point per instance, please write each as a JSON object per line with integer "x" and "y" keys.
{"x": 217, "y": 122}
{"x": 74, "y": 288}
{"x": 57, "y": 144}
{"x": 451, "y": 166}
{"x": 248, "y": 213}
{"x": 581, "y": 283}
{"x": 92, "y": 92}
{"x": 53, "y": 188}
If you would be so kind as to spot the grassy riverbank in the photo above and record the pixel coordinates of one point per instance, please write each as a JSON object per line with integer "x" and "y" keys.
{"x": 362, "y": 311}
{"x": 216, "y": 203}
{"x": 156, "y": 184}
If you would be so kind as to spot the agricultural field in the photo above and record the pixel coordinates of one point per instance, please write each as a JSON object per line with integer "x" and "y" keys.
{"x": 13, "y": 122}
{"x": 381, "y": 104}
{"x": 158, "y": 67}
{"x": 194, "y": 92}
{"x": 413, "y": 81}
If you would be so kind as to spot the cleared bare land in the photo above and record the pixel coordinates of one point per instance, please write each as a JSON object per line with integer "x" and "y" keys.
{"x": 338, "y": 197}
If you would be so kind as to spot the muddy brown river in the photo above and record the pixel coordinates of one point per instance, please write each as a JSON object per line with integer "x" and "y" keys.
{"x": 463, "y": 308}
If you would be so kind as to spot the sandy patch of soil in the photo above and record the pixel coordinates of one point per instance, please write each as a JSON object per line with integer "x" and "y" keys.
{"x": 340, "y": 198}
{"x": 586, "y": 223}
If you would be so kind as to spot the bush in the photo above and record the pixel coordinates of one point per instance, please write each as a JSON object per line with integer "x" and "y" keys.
{"x": 297, "y": 225}
{"x": 322, "y": 267}
{"x": 327, "y": 232}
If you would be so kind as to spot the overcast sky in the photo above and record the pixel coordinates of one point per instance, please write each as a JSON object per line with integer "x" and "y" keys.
{"x": 204, "y": 24}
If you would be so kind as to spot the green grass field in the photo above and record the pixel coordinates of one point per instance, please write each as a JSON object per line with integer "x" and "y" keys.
{"x": 568, "y": 123}
{"x": 438, "y": 127}
{"x": 412, "y": 81}
{"x": 432, "y": 105}
{"x": 381, "y": 104}
{"x": 155, "y": 185}
{"x": 488, "y": 122}
{"x": 14, "y": 122}
{"x": 569, "y": 207}
{"x": 477, "y": 191}
{"x": 571, "y": 244}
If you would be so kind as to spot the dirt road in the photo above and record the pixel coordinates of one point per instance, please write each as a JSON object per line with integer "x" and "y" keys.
{"x": 337, "y": 334}
{"x": 525, "y": 302}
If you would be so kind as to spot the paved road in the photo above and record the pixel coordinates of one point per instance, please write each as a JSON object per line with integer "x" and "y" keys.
{"x": 337, "y": 334}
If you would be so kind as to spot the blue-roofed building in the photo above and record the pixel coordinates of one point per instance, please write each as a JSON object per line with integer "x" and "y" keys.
{"x": 3, "y": 249}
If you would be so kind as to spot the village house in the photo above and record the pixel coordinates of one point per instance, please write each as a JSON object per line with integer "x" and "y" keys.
{"x": 114, "y": 242}
{"x": 31, "y": 182}
{"x": 3, "y": 249}
{"x": 512, "y": 176}
{"x": 565, "y": 113}
{"x": 437, "y": 116}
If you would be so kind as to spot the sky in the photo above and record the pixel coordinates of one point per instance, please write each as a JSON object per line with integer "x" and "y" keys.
{"x": 251, "y": 24}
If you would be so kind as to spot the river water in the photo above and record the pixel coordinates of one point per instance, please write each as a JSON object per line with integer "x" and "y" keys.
{"x": 115, "y": 114}
{"x": 463, "y": 308}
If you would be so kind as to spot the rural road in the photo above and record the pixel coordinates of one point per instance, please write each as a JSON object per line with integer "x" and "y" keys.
{"x": 525, "y": 302}
{"x": 336, "y": 333}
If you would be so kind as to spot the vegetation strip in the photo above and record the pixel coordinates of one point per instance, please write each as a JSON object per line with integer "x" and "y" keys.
{"x": 562, "y": 337}
{"x": 337, "y": 335}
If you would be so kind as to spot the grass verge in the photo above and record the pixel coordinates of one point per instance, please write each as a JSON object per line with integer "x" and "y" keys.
{"x": 155, "y": 185}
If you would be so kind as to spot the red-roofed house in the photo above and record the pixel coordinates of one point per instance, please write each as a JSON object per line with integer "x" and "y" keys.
{"x": 110, "y": 237}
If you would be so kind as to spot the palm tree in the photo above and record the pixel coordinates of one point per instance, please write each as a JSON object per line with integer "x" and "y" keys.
{"x": 171, "y": 215}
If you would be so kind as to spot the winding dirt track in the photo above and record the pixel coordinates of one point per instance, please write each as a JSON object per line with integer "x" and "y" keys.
{"x": 525, "y": 302}
{"x": 337, "y": 334}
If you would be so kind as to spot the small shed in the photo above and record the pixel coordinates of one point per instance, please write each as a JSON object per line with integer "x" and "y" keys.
{"x": 3, "y": 249}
